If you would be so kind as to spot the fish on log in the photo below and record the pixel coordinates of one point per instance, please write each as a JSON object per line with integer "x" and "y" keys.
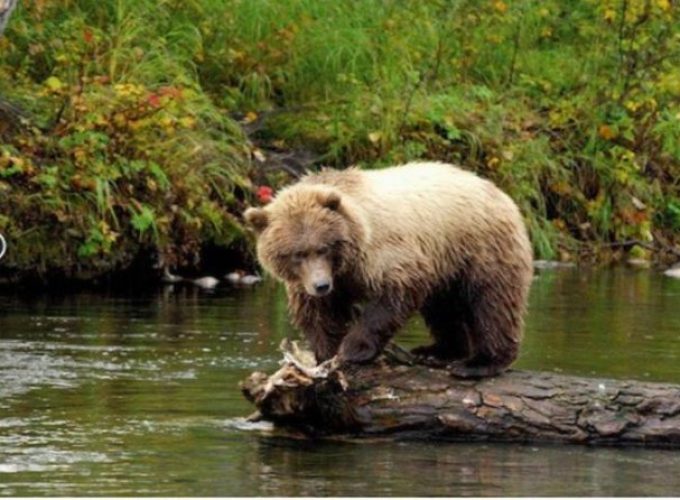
{"x": 396, "y": 397}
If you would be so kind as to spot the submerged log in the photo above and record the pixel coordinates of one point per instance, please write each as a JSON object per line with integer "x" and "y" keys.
{"x": 393, "y": 397}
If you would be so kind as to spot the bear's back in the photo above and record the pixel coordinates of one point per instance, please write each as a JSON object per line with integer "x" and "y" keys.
{"x": 421, "y": 196}
{"x": 429, "y": 195}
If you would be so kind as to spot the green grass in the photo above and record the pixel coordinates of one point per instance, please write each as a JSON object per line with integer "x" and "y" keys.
{"x": 570, "y": 106}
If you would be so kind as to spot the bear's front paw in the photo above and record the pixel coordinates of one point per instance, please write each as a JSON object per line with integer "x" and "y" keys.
{"x": 358, "y": 349}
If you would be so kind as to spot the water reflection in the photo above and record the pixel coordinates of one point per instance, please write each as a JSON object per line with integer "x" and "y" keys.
{"x": 623, "y": 323}
{"x": 413, "y": 469}
{"x": 138, "y": 395}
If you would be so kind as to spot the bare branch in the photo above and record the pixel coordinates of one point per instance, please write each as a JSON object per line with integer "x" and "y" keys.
{"x": 6, "y": 8}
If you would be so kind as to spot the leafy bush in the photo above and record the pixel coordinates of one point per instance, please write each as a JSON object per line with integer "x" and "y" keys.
{"x": 570, "y": 106}
{"x": 126, "y": 153}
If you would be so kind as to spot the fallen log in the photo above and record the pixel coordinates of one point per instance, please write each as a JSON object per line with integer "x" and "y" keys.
{"x": 393, "y": 397}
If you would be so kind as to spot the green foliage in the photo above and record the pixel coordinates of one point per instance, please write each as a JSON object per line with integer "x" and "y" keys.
{"x": 128, "y": 153}
{"x": 569, "y": 106}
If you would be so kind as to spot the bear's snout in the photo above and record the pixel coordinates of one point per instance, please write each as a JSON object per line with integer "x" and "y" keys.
{"x": 319, "y": 286}
{"x": 317, "y": 277}
{"x": 322, "y": 287}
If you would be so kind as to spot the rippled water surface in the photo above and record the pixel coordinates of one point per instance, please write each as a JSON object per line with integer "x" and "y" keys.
{"x": 138, "y": 395}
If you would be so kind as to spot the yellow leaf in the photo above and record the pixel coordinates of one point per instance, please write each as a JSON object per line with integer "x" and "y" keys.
{"x": 374, "y": 137}
{"x": 53, "y": 83}
{"x": 664, "y": 5}
{"x": 493, "y": 161}
{"x": 606, "y": 132}
{"x": 187, "y": 121}
{"x": 500, "y": 6}
{"x": 119, "y": 119}
{"x": 561, "y": 187}
{"x": 632, "y": 105}
{"x": 250, "y": 117}
{"x": 559, "y": 224}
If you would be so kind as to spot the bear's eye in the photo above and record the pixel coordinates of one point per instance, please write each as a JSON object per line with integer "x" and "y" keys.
{"x": 298, "y": 256}
{"x": 322, "y": 251}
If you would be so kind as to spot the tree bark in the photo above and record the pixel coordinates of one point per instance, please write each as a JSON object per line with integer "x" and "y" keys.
{"x": 394, "y": 398}
{"x": 10, "y": 115}
{"x": 6, "y": 8}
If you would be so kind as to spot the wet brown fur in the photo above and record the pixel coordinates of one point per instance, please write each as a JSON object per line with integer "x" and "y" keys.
{"x": 424, "y": 237}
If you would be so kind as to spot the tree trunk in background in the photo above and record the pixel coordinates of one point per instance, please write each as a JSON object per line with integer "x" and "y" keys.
{"x": 390, "y": 398}
{"x": 10, "y": 115}
{"x": 6, "y": 8}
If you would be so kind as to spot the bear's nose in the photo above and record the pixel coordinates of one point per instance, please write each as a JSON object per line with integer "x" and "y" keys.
{"x": 322, "y": 287}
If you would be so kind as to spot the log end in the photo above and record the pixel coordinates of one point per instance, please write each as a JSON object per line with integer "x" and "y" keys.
{"x": 310, "y": 398}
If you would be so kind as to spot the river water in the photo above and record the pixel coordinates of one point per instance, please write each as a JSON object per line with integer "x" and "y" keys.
{"x": 137, "y": 394}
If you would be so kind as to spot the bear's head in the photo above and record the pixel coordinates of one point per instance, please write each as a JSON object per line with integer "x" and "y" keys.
{"x": 307, "y": 236}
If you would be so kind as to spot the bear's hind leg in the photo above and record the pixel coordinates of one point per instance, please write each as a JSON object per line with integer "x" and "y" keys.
{"x": 497, "y": 308}
{"x": 447, "y": 316}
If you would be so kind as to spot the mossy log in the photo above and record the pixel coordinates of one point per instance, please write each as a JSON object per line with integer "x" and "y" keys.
{"x": 393, "y": 397}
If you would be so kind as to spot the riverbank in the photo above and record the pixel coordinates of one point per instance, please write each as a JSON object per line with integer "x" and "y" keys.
{"x": 133, "y": 132}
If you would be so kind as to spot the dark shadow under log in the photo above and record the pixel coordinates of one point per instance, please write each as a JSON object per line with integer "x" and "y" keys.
{"x": 394, "y": 398}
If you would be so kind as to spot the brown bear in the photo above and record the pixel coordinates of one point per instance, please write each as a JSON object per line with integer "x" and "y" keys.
{"x": 361, "y": 251}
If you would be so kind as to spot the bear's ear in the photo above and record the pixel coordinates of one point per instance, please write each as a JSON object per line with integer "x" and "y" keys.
{"x": 257, "y": 218}
{"x": 329, "y": 200}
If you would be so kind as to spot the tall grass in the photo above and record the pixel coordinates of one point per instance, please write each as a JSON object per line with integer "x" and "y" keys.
{"x": 570, "y": 106}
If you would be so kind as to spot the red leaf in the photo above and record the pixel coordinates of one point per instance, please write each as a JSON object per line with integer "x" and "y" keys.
{"x": 265, "y": 194}
{"x": 154, "y": 100}
{"x": 170, "y": 91}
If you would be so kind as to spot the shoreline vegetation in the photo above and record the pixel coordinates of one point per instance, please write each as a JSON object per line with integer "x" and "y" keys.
{"x": 134, "y": 133}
